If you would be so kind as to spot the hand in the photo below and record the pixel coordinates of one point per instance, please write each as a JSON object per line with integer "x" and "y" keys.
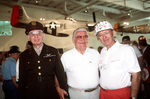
{"x": 61, "y": 92}
{"x": 17, "y": 85}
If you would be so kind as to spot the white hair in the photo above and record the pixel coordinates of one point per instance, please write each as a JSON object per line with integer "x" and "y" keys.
{"x": 79, "y": 29}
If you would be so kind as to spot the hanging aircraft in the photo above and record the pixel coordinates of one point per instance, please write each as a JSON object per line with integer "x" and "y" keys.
{"x": 133, "y": 29}
{"x": 58, "y": 27}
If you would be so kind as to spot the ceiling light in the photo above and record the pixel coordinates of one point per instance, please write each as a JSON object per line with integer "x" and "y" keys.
{"x": 86, "y": 11}
{"x": 37, "y": 1}
{"x": 42, "y": 18}
{"x": 126, "y": 23}
{"x": 130, "y": 13}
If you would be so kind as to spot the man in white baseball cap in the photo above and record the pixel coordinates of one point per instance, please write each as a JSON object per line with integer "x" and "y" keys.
{"x": 117, "y": 64}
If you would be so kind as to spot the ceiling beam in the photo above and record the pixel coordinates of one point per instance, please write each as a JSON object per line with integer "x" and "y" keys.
{"x": 19, "y": 2}
{"x": 139, "y": 16}
{"x": 84, "y": 7}
{"x": 134, "y": 4}
{"x": 100, "y": 7}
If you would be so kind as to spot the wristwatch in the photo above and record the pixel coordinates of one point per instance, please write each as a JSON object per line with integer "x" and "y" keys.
{"x": 132, "y": 98}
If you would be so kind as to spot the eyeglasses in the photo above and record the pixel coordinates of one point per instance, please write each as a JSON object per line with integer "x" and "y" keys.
{"x": 81, "y": 37}
{"x": 38, "y": 33}
{"x": 106, "y": 32}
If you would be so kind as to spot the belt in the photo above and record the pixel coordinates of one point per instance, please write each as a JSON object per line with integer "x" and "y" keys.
{"x": 116, "y": 90}
{"x": 7, "y": 80}
{"x": 86, "y": 90}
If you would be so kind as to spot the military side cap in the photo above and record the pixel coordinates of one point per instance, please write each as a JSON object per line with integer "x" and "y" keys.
{"x": 33, "y": 25}
{"x": 14, "y": 49}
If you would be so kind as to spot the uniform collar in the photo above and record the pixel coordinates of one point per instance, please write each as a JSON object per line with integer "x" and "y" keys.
{"x": 38, "y": 51}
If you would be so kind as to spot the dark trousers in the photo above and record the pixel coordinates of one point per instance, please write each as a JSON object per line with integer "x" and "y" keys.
{"x": 10, "y": 90}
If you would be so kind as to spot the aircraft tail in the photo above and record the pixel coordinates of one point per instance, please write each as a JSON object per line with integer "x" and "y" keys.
{"x": 19, "y": 16}
{"x": 116, "y": 26}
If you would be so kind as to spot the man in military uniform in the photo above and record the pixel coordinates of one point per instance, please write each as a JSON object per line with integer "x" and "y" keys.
{"x": 39, "y": 67}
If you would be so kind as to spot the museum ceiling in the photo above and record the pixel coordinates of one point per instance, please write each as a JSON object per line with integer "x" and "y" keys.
{"x": 133, "y": 11}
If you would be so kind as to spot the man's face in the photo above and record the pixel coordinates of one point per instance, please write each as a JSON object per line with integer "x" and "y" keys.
{"x": 80, "y": 40}
{"x": 15, "y": 55}
{"x": 106, "y": 37}
{"x": 36, "y": 37}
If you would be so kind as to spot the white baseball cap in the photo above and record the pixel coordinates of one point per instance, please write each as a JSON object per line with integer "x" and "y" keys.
{"x": 103, "y": 25}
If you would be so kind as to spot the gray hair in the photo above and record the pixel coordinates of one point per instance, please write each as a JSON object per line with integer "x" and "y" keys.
{"x": 79, "y": 29}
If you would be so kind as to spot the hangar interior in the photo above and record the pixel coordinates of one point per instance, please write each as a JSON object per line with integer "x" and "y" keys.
{"x": 135, "y": 12}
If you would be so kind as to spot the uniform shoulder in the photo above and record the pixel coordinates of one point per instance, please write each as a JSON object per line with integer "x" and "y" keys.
{"x": 25, "y": 51}
{"x": 50, "y": 47}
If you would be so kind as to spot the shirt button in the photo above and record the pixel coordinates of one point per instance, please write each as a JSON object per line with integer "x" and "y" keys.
{"x": 39, "y": 74}
{"x": 38, "y": 61}
{"x": 39, "y": 67}
{"x": 49, "y": 59}
{"x": 28, "y": 62}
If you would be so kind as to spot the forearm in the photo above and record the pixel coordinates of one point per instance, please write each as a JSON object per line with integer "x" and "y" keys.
{"x": 14, "y": 81}
{"x": 141, "y": 62}
{"x": 2, "y": 79}
{"x": 60, "y": 91}
{"x": 56, "y": 82}
{"x": 135, "y": 85}
{"x": 60, "y": 74}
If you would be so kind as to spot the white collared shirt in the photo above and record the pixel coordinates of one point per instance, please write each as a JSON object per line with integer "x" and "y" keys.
{"x": 17, "y": 70}
{"x": 137, "y": 51}
{"x": 81, "y": 70}
{"x": 115, "y": 66}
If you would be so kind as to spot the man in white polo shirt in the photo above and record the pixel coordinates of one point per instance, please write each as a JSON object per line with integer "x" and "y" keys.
{"x": 81, "y": 67}
{"x": 117, "y": 64}
{"x": 126, "y": 40}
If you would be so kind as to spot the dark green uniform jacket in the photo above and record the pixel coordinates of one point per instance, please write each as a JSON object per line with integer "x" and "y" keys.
{"x": 36, "y": 74}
